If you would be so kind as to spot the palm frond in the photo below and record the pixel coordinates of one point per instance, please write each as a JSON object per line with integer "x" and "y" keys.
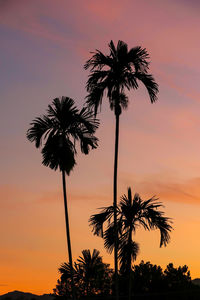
{"x": 130, "y": 81}
{"x": 88, "y": 122}
{"x": 152, "y": 218}
{"x": 156, "y": 220}
{"x": 98, "y": 61}
{"x": 97, "y": 220}
{"x": 65, "y": 272}
{"x": 59, "y": 153}
{"x": 128, "y": 252}
{"x": 86, "y": 258}
{"x": 165, "y": 228}
{"x": 96, "y": 256}
{"x": 94, "y": 98}
{"x": 122, "y": 51}
{"x": 113, "y": 50}
{"x": 109, "y": 234}
{"x": 39, "y": 127}
{"x": 138, "y": 57}
{"x": 62, "y": 108}
{"x": 149, "y": 83}
{"x": 86, "y": 142}
{"x": 109, "y": 238}
{"x": 97, "y": 76}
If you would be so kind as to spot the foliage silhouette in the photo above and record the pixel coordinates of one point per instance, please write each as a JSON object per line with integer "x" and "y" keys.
{"x": 91, "y": 276}
{"x": 148, "y": 278}
{"x": 112, "y": 74}
{"x": 149, "y": 281}
{"x": 57, "y": 133}
{"x": 177, "y": 277}
{"x": 131, "y": 213}
{"x": 151, "y": 278}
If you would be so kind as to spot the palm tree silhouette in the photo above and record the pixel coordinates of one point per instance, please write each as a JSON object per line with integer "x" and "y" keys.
{"x": 56, "y": 133}
{"x": 131, "y": 213}
{"x": 113, "y": 74}
{"x": 64, "y": 284}
{"x": 93, "y": 268}
{"x": 90, "y": 273}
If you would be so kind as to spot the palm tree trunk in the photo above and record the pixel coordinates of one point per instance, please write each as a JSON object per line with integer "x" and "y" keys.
{"x": 68, "y": 235}
{"x": 129, "y": 263}
{"x": 115, "y": 206}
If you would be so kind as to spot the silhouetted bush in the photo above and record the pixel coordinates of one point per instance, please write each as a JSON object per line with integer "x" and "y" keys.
{"x": 95, "y": 281}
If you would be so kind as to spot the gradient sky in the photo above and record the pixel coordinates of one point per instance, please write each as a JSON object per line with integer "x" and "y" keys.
{"x": 44, "y": 44}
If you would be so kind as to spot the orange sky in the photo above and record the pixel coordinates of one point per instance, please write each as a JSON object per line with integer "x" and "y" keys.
{"x": 43, "y": 48}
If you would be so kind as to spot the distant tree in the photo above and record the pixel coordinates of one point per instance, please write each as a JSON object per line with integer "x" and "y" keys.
{"x": 57, "y": 133}
{"x": 131, "y": 213}
{"x": 177, "y": 278}
{"x": 147, "y": 277}
{"x": 113, "y": 74}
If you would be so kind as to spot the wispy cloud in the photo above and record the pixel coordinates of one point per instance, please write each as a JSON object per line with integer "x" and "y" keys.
{"x": 166, "y": 188}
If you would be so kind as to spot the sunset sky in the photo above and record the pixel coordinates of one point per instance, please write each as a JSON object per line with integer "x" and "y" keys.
{"x": 44, "y": 45}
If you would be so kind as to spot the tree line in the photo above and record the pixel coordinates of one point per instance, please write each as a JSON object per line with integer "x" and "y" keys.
{"x": 94, "y": 278}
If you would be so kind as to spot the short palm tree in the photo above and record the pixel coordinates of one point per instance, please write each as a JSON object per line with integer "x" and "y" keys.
{"x": 112, "y": 74}
{"x": 93, "y": 269}
{"x": 57, "y": 133}
{"x": 91, "y": 275}
{"x": 131, "y": 213}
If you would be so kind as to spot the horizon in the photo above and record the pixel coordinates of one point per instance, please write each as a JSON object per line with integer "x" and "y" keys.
{"x": 25, "y": 292}
{"x": 44, "y": 47}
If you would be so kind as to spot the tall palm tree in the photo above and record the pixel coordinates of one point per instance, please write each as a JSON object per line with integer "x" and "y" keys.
{"x": 112, "y": 74}
{"x": 131, "y": 213}
{"x": 56, "y": 133}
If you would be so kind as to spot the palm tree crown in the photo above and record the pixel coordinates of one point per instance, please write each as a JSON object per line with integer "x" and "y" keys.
{"x": 131, "y": 213}
{"x": 59, "y": 130}
{"x": 113, "y": 73}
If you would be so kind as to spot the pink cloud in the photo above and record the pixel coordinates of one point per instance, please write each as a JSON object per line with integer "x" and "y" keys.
{"x": 13, "y": 197}
{"x": 27, "y": 17}
{"x": 106, "y": 11}
{"x": 171, "y": 81}
{"x": 174, "y": 41}
{"x": 166, "y": 188}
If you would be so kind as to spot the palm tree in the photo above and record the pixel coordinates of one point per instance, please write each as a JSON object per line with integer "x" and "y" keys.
{"x": 91, "y": 275}
{"x": 131, "y": 213}
{"x": 112, "y": 74}
{"x": 94, "y": 270}
{"x": 64, "y": 284}
{"x": 56, "y": 133}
